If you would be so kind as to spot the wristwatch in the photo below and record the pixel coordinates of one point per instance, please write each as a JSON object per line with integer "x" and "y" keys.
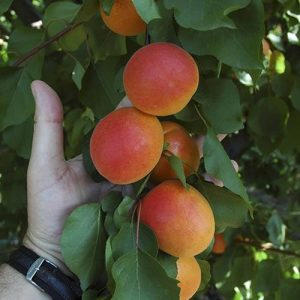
{"x": 45, "y": 275}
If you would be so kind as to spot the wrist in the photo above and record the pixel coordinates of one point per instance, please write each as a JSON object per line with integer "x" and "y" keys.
{"x": 48, "y": 251}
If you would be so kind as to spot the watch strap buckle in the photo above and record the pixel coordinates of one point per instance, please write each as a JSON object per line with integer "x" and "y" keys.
{"x": 34, "y": 268}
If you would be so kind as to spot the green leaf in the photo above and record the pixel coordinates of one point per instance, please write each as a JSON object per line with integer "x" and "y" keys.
{"x": 177, "y": 166}
{"x": 23, "y": 39}
{"x": 19, "y": 137}
{"x": 276, "y": 112}
{"x": 16, "y": 101}
{"x": 205, "y": 15}
{"x": 282, "y": 84}
{"x": 88, "y": 9}
{"x": 218, "y": 164}
{"x": 291, "y": 140}
{"x": 147, "y": 9}
{"x": 268, "y": 277}
{"x": 145, "y": 277}
{"x": 88, "y": 163}
{"x": 97, "y": 90}
{"x": 102, "y": 41}
{"x": 58, "y": 15}
{"x": 221, "y": 268}
{"x": 188, "y": 114}
{"x": 230, "y": 210}
{"x": 4, "y": 6}
{"x": 111, "y": 201}
{"x": 13, "y": 196}
{"x": 122, "y": 213}
{"x": 240, "y": 48}
{"x": 89, "y": 294}
{"x": 73, "y": 39}
{"x": 82, "y": 60}
{"x": 107, "y": 5}
{"x": 169, "y": 263}
{"x": 109, "y": 261}
{"x": 243, "y": 269}
{"x": 215, "y": 96}
{"x": 83, "y": 244}
{"x": 295, "y": 96}
{"x": 289, "y": 289}
{"x": 276, "y": 229}
{"x": 205, "y": 273}
{"x": 126, "y": 240}
{"x": 163, "y": 29}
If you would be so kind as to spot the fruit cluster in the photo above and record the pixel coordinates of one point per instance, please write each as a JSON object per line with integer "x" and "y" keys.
{"x": 130, "y": 143}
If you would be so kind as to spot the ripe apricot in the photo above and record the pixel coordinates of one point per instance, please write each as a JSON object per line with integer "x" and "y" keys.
{"x": 219, "y": 245}
{"x": 126, "y": 145}
{"x": 189, "y": 276}
{"x": 161, "y": 78}
{"x": 123, "y": 18}
{"x": 181, "y": 144}
{"x": 181, "y": 219}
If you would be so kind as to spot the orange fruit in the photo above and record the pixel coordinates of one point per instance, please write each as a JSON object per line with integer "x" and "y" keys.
{"x": 219, "y": 245}
{"x": 160, "y": 79}
{"x": 123, "y": 18}
{"x": 181, "y": 218}
{"x": 181, "y": 144}
{"x": 126, "y": 145}
{"x": 189, "y": 276}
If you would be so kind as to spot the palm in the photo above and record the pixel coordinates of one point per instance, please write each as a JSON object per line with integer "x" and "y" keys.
{"x": 54, "y": 194}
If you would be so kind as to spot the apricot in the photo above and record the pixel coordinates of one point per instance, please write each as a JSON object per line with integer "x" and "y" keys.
{"x": 181, "y": 218}
{"x": 123, "y": 18}
{"x": 189, "y": 276}
{"x": 126, "y": 145}
{"x": 161, "y": 78}
{"x": 181, "y": 144}
{"x": 219, "y": 245}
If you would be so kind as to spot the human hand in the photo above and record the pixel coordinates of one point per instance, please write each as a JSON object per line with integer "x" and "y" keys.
{"x": 54, "y": 186}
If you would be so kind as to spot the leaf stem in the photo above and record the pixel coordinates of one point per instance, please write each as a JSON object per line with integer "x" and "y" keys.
{"x": 200, "y": 115}
{"x": 45, "y": 44}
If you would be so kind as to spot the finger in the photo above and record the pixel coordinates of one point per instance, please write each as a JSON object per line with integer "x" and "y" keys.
{"x": 48, "y": 132}
{"x": 125, "y": 102}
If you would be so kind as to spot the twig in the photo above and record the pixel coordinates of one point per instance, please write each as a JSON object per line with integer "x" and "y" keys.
{"x": 268, "y": 247}
{"x": 45, "y": 44}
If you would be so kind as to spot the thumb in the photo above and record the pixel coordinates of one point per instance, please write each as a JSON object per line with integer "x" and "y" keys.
{"x": 48, "y": 132}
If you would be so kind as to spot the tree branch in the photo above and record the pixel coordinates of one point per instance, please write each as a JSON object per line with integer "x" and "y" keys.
{"x": 35, "y": 50}
{"x": 268, "y": 247}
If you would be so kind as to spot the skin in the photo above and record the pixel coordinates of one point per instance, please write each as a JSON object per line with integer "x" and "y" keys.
{"x": 181, "y": 219}
{"x": 220, "y": 244}
{"x": 180, "y": 144}
{"x": 126, "y": 145}
{"x": 161, "y": 78}
{"x": 189, "y": 276}
{"x": 123, "y": 19}
{"x": 54, "y": 186}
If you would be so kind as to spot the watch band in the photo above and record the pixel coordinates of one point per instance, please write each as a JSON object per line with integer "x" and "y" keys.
{"x": 45, "y": 275}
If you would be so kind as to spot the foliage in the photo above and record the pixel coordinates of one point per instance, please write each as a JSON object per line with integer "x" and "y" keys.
{"x": 249, "y": 94}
